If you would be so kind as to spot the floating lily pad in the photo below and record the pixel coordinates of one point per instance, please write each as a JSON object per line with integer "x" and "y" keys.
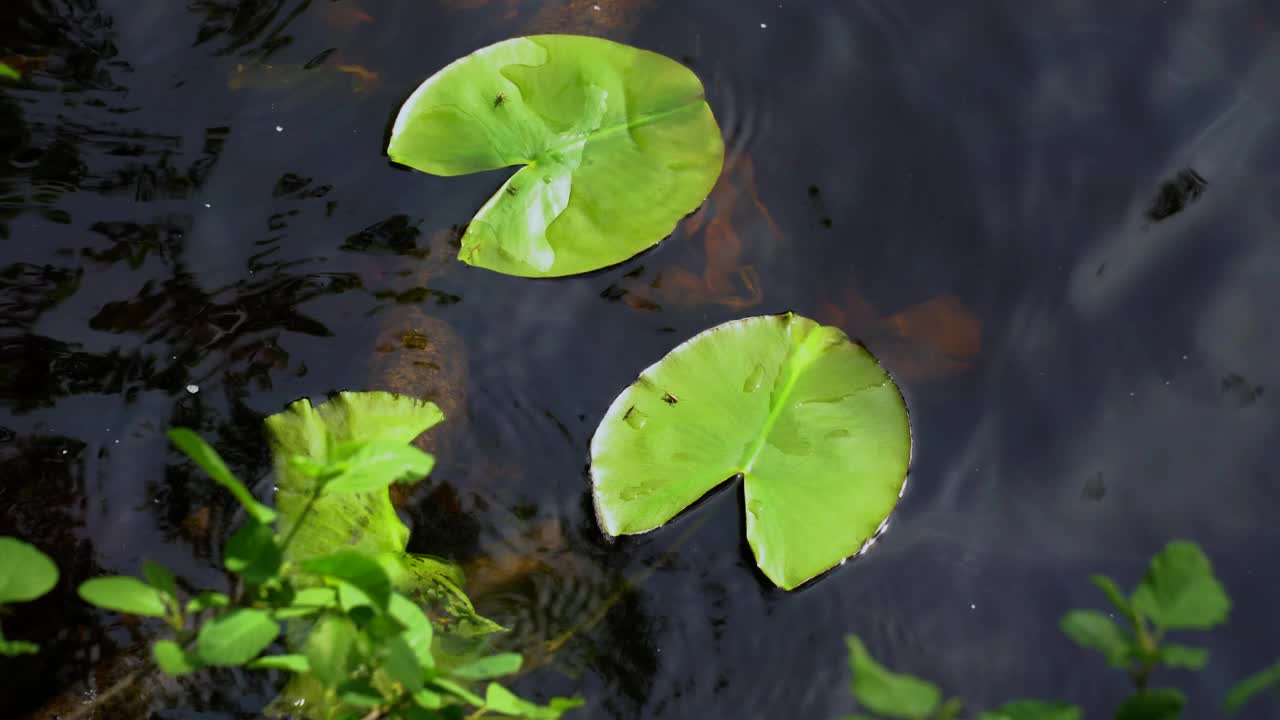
{"x": 810, "y": 421}
{"x": 617, "y": 145}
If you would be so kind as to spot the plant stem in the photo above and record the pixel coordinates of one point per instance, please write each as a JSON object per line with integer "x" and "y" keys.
{"x": 306, "y": 510}
{"x": 121, "y": 685}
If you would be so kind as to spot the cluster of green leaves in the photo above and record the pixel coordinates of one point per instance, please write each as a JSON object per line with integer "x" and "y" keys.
{"x": 347, "y": 622}
{"x": 1178, "y": 592}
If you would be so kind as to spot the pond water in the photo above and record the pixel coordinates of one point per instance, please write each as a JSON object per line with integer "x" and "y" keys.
{"x": 1055, "y": 223}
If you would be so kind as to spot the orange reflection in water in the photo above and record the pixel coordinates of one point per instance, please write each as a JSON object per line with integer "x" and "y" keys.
{"x": 735, "y": 228}
{"x": 928, "y": 341}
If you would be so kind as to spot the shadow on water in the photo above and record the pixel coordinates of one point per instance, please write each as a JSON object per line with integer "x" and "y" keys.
{"x": 1054, "y": 226}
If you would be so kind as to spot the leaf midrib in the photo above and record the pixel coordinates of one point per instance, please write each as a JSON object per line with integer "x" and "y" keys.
{"x": 776, "y": 411}
{"x": 571, "y": 139}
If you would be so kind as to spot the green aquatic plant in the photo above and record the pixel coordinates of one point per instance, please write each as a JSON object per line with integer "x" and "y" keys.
{"x": 1178, "y": 592}
{"x": 324, "y": 578}
{"x": 10, "y": 72}
{"x": 617, "y": 145}
{"x": 25, "y": 574}
{"x": 812, "y": 424}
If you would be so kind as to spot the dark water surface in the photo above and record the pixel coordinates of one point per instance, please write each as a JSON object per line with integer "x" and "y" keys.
{"x": 1056, "y": 222}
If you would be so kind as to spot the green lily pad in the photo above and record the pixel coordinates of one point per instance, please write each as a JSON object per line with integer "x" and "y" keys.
{"x": 617, "y": 145}
{"x": 815, "y": 427}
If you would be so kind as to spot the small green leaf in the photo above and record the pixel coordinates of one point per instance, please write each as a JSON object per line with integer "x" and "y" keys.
{"x": 1179, "y": 590}
{"x": 159, "y": 577}
{"x": 417, "y": 628}
{"x": 308, "y": 601}
{"x": 1158, "y": 704}
{"x": 1117, "y": 598}
{"x": 123, "y": 594}
{"x": 25, "y": 572}
{"x": 401, "y": 664}
{"x": 330, "y": 649}
{"x": 8, "y": 71}
{"x": 1246, "y": 689}
{"x": 493, "y": 666}
{"x": 1096, "y": 631}
{"x": 358, "y": 570}
{"x": 889, "y": 693}
{"x": 1033, "y": 710}
{"x": 16, "y": 647}
{"x": 252, "y": 553}
{"x": 376, "y": 465}
{"x": 206, "y": 600}
{"x": 172, "y": 659}
{"x": 501, "y": 700}
{"x": 457, "y": 691}
{"x": 428, "y": 699}
{"x": 351, "y": 597}
{"x": 237, "y": 637}
{"x": 359, "y": 693}
{"x": 308, "y": 467}
{"x": 1182, "y": 656}
{"x": 290, "y": 663}
{"x": 13, "y": 648}
{"x": 950, "y": 709}
{"x": 208, "y": 459}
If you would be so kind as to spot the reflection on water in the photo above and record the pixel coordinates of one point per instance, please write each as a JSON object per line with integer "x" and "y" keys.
{"x": 1054, "y": 222}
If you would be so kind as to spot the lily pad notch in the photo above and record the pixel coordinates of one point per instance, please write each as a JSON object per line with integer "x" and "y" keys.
{"x": 813, "y": 424}
{"x": 617, "y": 143}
